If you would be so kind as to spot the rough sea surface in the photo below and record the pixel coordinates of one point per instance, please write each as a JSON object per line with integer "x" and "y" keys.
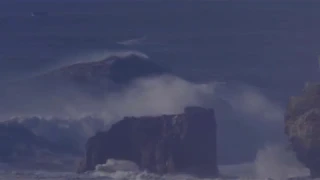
{"x": 263, "y": 51}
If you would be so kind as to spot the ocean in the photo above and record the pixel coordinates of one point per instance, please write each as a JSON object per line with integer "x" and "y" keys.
{"x": 265, "y": 51}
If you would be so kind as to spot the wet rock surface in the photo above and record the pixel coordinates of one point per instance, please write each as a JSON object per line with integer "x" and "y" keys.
{"x": 302, "y": 126}
{"x": 163, "y": 144}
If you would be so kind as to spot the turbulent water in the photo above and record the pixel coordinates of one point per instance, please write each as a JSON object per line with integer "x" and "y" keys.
{"x": 260, "y": 53}
{"x": 235, "y": 172}
{"x": 272, "y": 162}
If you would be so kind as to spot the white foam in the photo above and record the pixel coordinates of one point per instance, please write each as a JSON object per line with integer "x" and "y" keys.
{"x": 99, "y": 56}
{"x": 121, "y": 175}
{"x": 113, "y": 165}
{"x": 275, "y": 162}
{"x": 89, "y": 56}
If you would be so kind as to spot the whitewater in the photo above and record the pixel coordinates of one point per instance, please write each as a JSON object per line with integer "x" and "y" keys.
{"x": 240, "y": 172}
{"x": 259, "y": 54}
{"x": 272, "y": 162}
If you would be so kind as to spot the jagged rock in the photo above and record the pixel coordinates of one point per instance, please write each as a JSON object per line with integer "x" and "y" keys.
{"x": 302, "y": 126}
{"x": 170, "y": 143}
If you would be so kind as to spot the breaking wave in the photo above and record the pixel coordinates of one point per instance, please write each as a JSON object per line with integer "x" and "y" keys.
{"x": 113, "y": 165}
{"x": 121, "y": 169}
{"x": 276, "y": 162}
{"x": 85, "y": 57}
{"x": 272, "y": 163}
{"x": 101, "y": 55}
{"x": 244, "y": 105}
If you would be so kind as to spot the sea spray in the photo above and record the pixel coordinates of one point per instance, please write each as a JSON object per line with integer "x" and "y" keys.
{"x": 275, "y": 162}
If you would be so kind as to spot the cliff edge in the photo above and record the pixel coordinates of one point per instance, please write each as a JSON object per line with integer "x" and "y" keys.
{"x": 164, "y": 144}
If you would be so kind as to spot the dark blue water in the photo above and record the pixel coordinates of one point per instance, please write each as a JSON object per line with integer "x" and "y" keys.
{"x": 269, "y": 45}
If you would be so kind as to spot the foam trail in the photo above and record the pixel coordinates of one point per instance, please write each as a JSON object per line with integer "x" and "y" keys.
{"x": 135, "y": 41}
{"x": 113, "y": 165}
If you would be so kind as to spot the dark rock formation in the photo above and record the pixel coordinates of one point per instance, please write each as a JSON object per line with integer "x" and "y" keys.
{"x": 302, "y": 125}
{"x": 169, "y": 143}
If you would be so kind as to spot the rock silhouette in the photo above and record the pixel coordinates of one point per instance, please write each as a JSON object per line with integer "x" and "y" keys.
{"x": 170, "y": 143}
{"x": 302, "y": 125}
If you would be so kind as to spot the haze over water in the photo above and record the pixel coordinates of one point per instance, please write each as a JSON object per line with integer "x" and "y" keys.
{"x": 264, "y": 51}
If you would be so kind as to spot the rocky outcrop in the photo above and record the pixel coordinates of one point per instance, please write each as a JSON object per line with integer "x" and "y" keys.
{"x": 170, "y": 143}
{"x": 302, "y": 126}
